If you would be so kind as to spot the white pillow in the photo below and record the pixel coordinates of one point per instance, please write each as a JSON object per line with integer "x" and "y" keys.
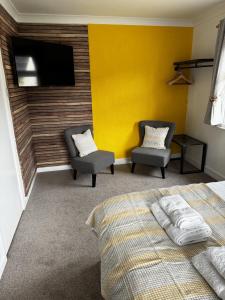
{"x": 84, "y": 143}
{"x": 155, "y": 137}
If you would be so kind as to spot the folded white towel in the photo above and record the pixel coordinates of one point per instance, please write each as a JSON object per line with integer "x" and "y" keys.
{"x": 217, "y": 257}
{"x": 181, "y": 214}
{"x": 210, "y": 274}
{"x": 184, "y": 237}
{"x": 179, "y": 236}
{"x": 171, "y": 203}
{"x": 160, "y": 215}
{"x": 186, "y": 218}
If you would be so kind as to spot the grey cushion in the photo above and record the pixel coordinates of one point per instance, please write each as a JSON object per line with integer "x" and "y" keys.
{"x": 93, "y": 162}
{"x": 150, "y": 156}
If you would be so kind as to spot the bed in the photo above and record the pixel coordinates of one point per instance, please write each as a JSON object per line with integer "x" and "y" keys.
{"x": 138, "y": 260}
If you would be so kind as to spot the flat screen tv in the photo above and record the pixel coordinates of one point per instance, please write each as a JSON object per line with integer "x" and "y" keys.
{"x": 39, "y": 63}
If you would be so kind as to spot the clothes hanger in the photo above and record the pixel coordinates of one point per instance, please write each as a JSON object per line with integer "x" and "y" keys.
{"x": 180, "y": 78}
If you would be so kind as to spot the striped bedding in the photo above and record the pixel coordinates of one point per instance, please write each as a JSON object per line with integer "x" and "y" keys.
{"x": 138, "y": 260}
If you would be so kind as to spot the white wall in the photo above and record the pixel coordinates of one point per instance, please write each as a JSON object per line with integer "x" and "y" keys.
{"x": 11, "y": 191}
{"x": 205, "y": 33}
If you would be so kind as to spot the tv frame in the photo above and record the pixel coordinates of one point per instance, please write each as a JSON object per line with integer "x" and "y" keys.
{"x": 33, "y": 41}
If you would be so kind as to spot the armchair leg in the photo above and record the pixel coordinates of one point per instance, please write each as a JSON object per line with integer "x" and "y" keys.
{"x": 74, "y": 174}
{"x": 133, "y": 167}
{"x": 112, "y": 168}
{"x": 93, "y": 180}
{"x": 163, "y": 172}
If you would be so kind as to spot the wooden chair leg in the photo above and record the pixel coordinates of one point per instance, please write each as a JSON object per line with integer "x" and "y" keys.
{"x": 163, "y": 172}
{"x": 93, "y": 180}
{"x": 133, "y": 167}
{"x": 112, "y": 168}
{"x": 74, "y": 174}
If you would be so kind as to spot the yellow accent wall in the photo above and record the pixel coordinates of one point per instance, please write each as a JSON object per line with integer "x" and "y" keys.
{"x": 130, "y": 66}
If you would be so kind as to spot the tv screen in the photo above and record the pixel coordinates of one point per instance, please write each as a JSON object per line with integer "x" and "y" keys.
{"x": 42, "y": 64}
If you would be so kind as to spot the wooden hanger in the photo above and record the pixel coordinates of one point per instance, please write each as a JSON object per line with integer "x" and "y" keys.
{"x": 180, "y": 78}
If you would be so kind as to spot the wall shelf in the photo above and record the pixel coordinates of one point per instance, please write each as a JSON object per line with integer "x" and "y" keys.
{"x": 193, "y": 64}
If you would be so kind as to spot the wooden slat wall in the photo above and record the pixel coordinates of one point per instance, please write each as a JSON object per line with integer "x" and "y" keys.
{"x": 40, "y": 115}
{"x": 18, "y": 103}
{"x": 54, "y": 109}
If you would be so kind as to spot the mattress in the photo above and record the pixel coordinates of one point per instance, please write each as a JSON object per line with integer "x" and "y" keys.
{"x": 138, "y": 260}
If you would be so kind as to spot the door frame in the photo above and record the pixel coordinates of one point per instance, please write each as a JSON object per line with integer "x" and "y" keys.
{"x": 3, "y": 257}
{"x": 5, "y": 98}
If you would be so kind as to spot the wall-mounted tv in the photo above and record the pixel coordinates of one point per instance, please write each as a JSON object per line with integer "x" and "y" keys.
{"x": 38, "y": 63}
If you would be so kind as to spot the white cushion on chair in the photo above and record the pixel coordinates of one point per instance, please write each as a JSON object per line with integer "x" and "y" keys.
{"x": 155, "y": 137}
{"x": 84, "y": 143}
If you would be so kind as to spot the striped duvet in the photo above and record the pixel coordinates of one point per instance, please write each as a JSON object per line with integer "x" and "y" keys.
{"x": 138, "y": 260}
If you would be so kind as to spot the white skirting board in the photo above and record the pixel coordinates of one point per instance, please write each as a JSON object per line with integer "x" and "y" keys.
{"x": 26, "y": 198}
{"x": 214, "y": 174}
{"x": 208, "y": 170}
{"x": 118, "y": 161}
{"x": 53, "y": 168}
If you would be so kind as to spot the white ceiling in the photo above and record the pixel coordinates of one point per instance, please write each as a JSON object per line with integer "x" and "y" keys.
{"x": 177, "y": 9}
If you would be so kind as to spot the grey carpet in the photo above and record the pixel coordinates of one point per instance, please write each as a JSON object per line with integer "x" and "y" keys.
{"x": 54, "y": 254}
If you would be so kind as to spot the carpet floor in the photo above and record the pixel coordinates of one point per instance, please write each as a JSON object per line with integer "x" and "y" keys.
{"x": 54, "y": 255}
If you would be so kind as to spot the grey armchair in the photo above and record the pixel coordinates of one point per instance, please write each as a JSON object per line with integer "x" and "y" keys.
{"x": 92, "y": 163}
{"x": 150, "y": 156}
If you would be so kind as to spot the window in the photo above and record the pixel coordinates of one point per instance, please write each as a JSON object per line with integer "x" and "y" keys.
{"x": 215, "y": 115}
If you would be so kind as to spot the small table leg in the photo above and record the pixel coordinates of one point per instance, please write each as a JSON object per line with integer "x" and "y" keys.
{"x": 204, "y": 151}
{"x": 183, "y": 151}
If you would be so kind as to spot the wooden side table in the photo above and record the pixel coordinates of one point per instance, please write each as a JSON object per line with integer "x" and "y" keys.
{"x": 184, "y": 141}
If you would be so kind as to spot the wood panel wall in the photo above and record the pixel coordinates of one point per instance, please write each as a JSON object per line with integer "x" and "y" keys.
{"x": 52, "y": 110}
{"x": 41, "y": 114}
{"x": 18, "y": 103}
